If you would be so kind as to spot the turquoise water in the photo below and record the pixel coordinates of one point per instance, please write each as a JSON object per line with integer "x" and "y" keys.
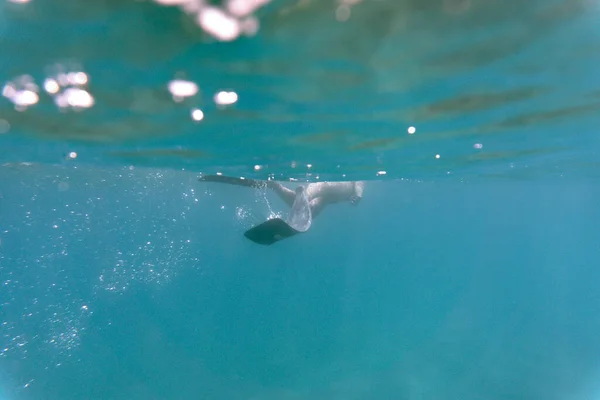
{"x": 467, "y": 271}
{"x": 140, "y": 285}
{"x": 494, "y": 88}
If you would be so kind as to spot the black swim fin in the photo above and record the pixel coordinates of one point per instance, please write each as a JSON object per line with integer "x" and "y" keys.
{"x": 233, "y": 181}
{"x": 270, "y": 232}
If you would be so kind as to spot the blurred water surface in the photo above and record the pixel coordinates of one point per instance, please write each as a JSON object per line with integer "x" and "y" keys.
{"x": 408, "y": 88}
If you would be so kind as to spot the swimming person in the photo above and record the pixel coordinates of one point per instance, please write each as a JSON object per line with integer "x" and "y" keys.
{"x": 305, "y": 202}
{"x": 319, "y": 194}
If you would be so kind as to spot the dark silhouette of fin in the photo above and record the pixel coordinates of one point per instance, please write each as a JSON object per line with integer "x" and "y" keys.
{"x": 270, "y": 231}
{"x": 233, "y": 181}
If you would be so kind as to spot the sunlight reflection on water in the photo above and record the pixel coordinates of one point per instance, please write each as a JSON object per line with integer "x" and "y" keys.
{"x": 355, "y": 88}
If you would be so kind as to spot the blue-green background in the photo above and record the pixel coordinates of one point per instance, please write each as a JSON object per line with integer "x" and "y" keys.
{"x": 469, "y": 276}
{"x": 453, "y": 291}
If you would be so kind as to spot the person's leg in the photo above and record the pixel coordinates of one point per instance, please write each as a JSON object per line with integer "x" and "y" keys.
{"x": 285, "y": 194}
{"x": 316, "y": 206}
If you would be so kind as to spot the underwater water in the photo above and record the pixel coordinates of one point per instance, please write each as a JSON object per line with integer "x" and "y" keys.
{"x": 120, "y": 284}
{"x": 467, "y": 271}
